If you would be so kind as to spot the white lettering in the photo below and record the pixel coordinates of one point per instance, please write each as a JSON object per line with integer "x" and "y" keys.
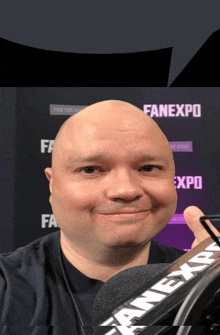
{"x": 44, "y": 220}
{"x": 109, "y": 322}
{"x": 154, "y": 111}
{"x": 144, "y": 302}
{"x": 146, "y": 109}
{"x": 197, "y": 110}
{"x": 149, "y": 298}
{"x": 180, "y": 111}
{"x": 198, "y": 182}
{"x": 181, "y": 182}
{"x": 44, "y": 145}
{"x": 213, "y": 247}
{"x": 48, "y": 221}
{"x": 186, "y": 271}
{"x": 203, "y": 258}
{"x": 167, "y": 286}
{"x": 163, "y": 110}
{"x": 187, "y": 182}
{"x": 126, "y": 315}
{"x": 171, "y": 110}
{"x": 52, "y": 222}
{"x": 188, "y": 109}
{"x": 47, "y": 146}
{"x": 50, "y": 148}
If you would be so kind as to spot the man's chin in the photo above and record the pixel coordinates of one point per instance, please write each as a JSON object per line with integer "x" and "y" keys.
{"x": 129, "y": 244}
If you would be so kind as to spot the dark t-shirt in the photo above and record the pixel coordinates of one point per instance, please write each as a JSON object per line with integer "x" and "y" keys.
{"x": 34, "y": 294}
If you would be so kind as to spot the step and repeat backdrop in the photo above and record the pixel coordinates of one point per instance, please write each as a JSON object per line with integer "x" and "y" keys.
{"x": 189, "y": 117}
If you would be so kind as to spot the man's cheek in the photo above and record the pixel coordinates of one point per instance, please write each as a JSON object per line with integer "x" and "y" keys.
{"x": 76, "y": 201}
{"x": 165, "y": 195}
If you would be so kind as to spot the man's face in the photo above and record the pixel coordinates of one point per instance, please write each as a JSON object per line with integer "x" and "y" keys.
{"x": 112, "y": 183}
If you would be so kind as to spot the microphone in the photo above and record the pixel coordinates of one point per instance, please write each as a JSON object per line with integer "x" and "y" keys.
{"x": 118, "y": 287}
{"x": 160, "y": 299}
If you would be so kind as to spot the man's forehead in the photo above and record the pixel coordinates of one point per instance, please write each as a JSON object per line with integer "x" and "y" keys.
{"x": 107, "y": 111}
{"x": 93, "y": 125}
{"x": 95, "y": 151}
{"x": 113, "y": 125}
{"x": 96, "y": 157}
{"x": 82, "y": 129}
{"x": 88, "y": 138}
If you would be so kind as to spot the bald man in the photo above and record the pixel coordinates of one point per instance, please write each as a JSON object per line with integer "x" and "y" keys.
{"x": 112, "y": 190}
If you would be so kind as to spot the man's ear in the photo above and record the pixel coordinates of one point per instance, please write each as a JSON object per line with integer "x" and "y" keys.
{"x": 48, "y": 173}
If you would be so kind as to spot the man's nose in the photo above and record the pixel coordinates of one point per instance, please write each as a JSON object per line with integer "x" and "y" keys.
{"x": 124, "y": 186}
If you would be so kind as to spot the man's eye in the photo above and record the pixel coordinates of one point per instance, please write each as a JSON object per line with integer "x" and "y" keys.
{"x": 148, "y": 168}
{"x": 89, "y": 170}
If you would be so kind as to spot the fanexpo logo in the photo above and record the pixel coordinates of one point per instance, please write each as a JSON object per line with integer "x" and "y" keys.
{"x": 48, "y": 221}
{"x": 188, "y": 182}
{"x": 46, "y": 146}
{"x": 172, "y": 110}
{"x": 123, "y": 317}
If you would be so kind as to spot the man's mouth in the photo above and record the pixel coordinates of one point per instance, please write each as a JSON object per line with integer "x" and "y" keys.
{"x": 125, "y": 212}
{"x": 126, "y": 215}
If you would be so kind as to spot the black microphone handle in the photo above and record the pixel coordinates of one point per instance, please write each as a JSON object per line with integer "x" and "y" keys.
{"x": 151, "y": 302}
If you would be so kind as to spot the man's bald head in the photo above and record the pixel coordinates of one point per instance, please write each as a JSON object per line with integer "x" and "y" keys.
{"x": 102, "y": 115}
{"x": 112, "y": 179}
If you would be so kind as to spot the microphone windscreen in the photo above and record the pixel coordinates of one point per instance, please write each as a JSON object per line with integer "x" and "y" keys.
{"x": 122, "y": 285}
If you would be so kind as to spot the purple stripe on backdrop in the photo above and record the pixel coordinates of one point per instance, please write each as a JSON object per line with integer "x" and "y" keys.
{"x": 177, "y": 219}
{"x": 184, "y": 146}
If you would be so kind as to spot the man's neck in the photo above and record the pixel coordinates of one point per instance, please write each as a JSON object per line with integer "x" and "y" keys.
{"x": 107, "y": 263}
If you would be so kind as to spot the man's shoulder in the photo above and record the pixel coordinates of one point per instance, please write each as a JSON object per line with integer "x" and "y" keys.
{"x": 34, "y": 252}
{"x": 160, "y": 253}
{"x": 24, "y": 272}
{"x": 32, "y": 291}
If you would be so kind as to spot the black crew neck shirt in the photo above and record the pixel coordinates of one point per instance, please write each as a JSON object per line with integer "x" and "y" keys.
{"x": 34, "y": 297}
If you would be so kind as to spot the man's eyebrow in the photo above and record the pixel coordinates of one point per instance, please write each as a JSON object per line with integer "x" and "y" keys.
{"x": 152, "y": 158}
{"x": 103, "y": 158}
{"x": 157, "y": 159}
{"x": 87, "y": 159}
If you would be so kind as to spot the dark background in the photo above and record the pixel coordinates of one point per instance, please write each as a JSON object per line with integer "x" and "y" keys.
{"x": 26, "y": 120}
